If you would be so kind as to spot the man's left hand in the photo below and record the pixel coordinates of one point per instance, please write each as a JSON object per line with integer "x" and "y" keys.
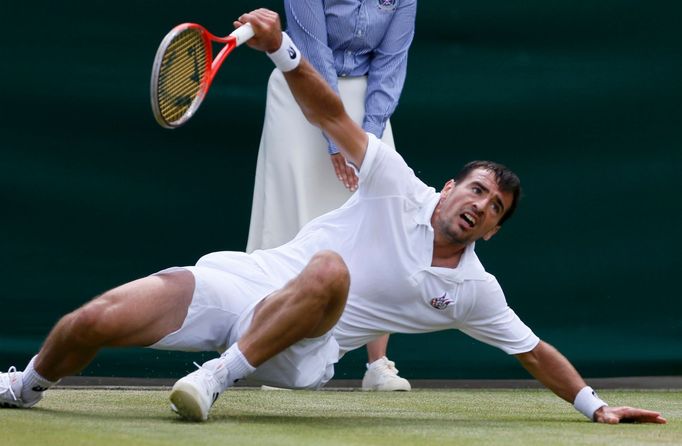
{"x": 624, "y": 414}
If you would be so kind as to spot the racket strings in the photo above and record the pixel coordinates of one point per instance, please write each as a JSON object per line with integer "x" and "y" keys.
{"x": 181, "y": 74}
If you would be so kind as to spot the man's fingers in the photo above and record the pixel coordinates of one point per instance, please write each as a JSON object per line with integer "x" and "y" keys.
{"x": 266, "y": 28}
{"x": 259, "y": 16}
{"x": 642, "y": 416}
{"x": 244, "y": 18}
{"x": 630, "y": 415}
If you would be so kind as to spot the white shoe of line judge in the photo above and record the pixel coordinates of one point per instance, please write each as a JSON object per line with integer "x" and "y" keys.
{"x": 381, "y": 375}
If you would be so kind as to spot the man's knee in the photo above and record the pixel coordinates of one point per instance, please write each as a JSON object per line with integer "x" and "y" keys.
{"x": 330, "y": 273}
{"x": 92, "y": 324}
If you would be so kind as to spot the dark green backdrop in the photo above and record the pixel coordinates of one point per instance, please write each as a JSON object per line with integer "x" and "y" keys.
{"x": 582, "y": 98}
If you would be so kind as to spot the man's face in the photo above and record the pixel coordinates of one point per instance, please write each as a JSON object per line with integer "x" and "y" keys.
{"x": 471, "y": 209}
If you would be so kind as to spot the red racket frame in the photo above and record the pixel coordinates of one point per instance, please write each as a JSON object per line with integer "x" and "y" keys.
{"x": 231, "y": 42}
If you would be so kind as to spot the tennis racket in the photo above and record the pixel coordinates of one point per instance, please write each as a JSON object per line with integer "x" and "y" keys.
{"x": 184, "y": 69}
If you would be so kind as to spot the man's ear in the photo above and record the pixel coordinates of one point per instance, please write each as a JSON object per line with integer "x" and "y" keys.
{"x": 447, "y": 187}
{"x": 488, "y": 235}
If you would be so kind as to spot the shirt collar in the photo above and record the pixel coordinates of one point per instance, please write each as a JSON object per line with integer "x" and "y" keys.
{"x": 469, "y": 268}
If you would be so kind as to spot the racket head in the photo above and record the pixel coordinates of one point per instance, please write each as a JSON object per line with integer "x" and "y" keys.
{"x": 181, "y": 74}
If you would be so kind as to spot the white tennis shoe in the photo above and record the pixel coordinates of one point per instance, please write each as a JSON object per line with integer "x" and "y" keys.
{"x": 193, "y": 395}
{"x": 381, "y": 375}
{"x": 11, "y": 384}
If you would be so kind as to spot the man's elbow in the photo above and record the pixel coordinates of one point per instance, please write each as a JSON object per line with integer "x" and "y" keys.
{"x": 531, "y": 358}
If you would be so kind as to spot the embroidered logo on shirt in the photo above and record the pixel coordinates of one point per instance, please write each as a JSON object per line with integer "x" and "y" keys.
{"x": 441, "y": 303}
{"x": 387, "y": 5}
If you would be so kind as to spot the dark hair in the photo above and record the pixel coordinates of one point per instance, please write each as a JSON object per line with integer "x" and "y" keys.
{"x": 506, "y": 180}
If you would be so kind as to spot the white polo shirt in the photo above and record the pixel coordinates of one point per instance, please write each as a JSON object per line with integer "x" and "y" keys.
{"x": 384, "y": 234}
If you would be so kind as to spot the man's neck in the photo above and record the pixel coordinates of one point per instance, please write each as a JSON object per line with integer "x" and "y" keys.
{"x": 447, "y": 255}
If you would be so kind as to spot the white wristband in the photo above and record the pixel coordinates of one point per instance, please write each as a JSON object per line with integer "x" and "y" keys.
{"x": 287, "y": 57}
{"x": 587, "y": 402}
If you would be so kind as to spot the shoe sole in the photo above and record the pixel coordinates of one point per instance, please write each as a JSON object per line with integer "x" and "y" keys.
{"x": 186, "y": 401}
{"x": 9, "y": 406}
{"x": 388, "y": 388}
{"x": 384, "y": 390}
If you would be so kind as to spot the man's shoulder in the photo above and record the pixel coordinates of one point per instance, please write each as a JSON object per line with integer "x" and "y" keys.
{"x": 381, "y": 160}
{"x": 485, "y": 285}
{"x": 384, "y": 163}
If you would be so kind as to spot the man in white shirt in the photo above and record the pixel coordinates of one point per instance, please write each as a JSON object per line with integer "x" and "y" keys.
{"x": 397, "y": 257}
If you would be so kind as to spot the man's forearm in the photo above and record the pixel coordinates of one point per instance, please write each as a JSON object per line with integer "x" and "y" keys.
{"x": 553, "y": 370}
{"x": 320, "y": 105}
{"x": 323, "y": 108}
{"x": 317, "y": 100}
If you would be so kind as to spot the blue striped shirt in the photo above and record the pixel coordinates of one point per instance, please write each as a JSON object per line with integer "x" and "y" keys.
{"x": 357, "y": 38}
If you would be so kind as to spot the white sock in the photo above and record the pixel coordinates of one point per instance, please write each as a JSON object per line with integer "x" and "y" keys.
{"x": 33, "y": 385}
{"x": 236, "y": 363}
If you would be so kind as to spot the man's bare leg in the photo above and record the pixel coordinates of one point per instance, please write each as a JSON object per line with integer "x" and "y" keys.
{"x": 138, "y": 313}
{"x": 306, "y": 307}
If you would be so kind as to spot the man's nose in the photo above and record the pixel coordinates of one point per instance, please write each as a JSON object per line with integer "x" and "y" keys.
{"x": 480, "y": 204}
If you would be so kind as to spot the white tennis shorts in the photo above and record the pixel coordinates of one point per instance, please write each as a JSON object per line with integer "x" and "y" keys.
{"x": 228, "y": 287}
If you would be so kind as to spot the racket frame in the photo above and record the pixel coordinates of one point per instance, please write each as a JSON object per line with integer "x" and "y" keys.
{"x": 236, "y": 38}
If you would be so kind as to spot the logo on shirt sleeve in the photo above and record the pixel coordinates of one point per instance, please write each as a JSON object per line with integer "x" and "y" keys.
{"x": 441, "y": 303}
{"x": 387, "y": 5}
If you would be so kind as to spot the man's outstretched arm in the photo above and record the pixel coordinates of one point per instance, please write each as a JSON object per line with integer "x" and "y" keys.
{"x": 556, "y": 373}
{"x": 321, "y": 106}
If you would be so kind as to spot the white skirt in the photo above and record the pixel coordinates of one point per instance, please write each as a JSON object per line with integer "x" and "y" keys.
{"x": 295, "y": 180}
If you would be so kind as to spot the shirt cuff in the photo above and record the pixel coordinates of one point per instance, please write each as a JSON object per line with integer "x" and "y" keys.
{"x": 332, "y": 149}
{"x": 374, "y": 127}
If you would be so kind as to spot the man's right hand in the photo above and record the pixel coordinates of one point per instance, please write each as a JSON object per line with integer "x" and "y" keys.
{"x": 320, "y": 105}
{"x": 266, "y": 27}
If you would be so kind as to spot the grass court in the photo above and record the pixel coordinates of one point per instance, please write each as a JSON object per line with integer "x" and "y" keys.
{"x": 254, "y": 417}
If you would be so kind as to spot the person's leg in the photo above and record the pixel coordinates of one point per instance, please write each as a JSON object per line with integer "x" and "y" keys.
{"x": 306, "y": 307}
{"x": 138, "y": 313}
{"x": 381, "y": 373}
{"x": 377, "y": 348}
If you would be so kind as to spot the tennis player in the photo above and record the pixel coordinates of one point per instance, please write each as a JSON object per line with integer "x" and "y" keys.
{"x": 360, "y": 48}
{"x": 284, "y": 316}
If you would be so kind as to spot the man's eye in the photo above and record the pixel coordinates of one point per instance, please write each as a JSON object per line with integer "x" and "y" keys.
{"x": 476, "y": 189}
{"x": 496, "y": 208}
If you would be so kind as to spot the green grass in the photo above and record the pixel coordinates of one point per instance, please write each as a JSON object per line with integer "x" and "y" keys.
{"x": 255, "y": 417}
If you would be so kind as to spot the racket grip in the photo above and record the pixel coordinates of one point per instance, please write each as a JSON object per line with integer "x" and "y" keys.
{"x": 243, "y": 33}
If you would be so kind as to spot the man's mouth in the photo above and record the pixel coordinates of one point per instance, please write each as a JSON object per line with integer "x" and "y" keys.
{"x": 469, "y": 218}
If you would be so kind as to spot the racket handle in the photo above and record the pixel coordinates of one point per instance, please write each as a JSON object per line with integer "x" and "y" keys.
{"x": 243, "y": 33}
